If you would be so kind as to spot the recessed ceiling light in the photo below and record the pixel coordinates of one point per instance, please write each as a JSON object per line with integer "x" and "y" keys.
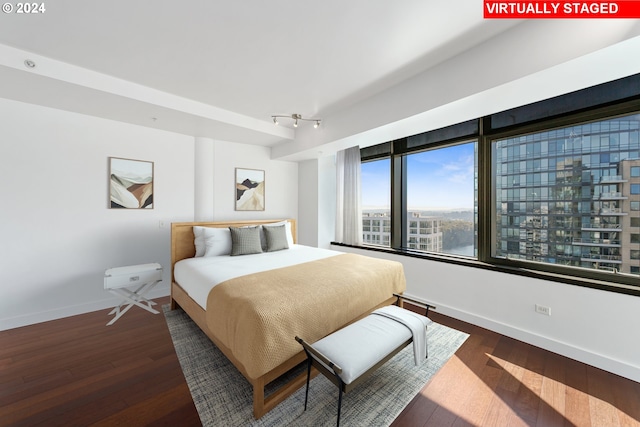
{"x": 29, "y": 63}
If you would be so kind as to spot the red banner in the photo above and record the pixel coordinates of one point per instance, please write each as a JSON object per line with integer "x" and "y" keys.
{"x": 561, "y": 9}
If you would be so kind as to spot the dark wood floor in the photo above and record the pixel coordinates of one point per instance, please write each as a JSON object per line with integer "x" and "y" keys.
{"x": 493, "y": 380}
{"x": 79, "y": 372}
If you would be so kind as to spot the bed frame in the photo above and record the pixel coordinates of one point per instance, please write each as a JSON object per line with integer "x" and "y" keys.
{"x": 182, "y": 247}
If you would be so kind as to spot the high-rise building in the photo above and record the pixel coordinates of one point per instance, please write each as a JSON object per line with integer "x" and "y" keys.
{"x": 571, "y": 196}
{"x": 376, "y": 228}
{"x": 424, "y": 232}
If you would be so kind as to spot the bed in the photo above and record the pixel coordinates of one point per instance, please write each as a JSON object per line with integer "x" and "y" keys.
{"x": 252, "y": 306}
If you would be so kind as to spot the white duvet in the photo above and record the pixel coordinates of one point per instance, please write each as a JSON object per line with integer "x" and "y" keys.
{"x": 197, "y": 276}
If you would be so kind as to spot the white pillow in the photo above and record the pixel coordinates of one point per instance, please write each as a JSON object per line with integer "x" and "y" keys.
{"x": 287, "y": 227}
{"x": 211, "y": 241}
{"x": 198, "y": 241}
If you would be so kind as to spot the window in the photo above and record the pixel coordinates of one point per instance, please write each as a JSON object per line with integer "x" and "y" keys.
{"x": 569, "y": 211}
{"x": 376, "y": 202}
{"x": 550, "y": 190}
{"x": 440, "y": 200}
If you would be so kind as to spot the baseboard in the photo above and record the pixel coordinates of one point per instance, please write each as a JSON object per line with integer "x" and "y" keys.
{"x": 72, "y": 310}
{"x": 585, "y": 356}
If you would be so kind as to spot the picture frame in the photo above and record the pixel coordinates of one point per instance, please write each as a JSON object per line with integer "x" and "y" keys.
{"x": 249, "y": 190}
{"x": 130, "y": 183}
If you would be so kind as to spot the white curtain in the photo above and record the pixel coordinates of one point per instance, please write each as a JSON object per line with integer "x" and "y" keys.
{"x": 348, "y": 203}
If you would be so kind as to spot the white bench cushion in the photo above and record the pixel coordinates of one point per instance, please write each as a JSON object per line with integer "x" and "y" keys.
{"x": 356, "y": 348}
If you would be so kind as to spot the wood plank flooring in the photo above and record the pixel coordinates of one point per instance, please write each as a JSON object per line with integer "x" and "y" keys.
{"x": 79, "y": 372}
{"x": 493, "y": 380}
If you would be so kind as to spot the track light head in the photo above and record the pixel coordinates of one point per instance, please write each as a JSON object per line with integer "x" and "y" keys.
{"x": 296, "y": 117}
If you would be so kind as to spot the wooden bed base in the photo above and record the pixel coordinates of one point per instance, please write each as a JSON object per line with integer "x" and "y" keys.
{"x": 182, "y": 247}
{"x": 261, "y": 406}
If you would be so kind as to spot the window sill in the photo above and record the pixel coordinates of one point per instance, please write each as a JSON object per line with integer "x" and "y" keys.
{"x": 525, "y": 272}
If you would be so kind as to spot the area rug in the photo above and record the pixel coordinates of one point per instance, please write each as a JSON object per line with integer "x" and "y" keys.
{"x": 223, "y": 397}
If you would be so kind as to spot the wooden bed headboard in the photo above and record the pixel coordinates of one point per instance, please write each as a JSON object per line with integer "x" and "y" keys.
{"x": 182, "y": 245}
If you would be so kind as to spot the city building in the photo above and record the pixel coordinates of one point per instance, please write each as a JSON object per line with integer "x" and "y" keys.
{"x": 424, "y": 232}
{"x": 571, "y": 196}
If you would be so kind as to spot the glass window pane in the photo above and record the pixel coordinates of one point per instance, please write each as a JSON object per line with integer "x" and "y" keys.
{"x": 592, "y": 199}
{"x": 441, "y": 200}
{"x": 376, "y": 202}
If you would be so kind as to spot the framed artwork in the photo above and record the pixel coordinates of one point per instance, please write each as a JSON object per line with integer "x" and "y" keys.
{"x": 130, "y": 184}
{"x": 249, "y": 190}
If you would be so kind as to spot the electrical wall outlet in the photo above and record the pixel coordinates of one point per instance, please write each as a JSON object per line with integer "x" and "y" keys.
{"x": 543, "y": 310}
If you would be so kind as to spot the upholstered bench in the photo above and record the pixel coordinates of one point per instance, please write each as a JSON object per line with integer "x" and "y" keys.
{"x": 351, "y": 354}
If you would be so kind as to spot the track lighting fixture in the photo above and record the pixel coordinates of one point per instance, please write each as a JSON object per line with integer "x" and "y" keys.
{"x": 295, "y": 118}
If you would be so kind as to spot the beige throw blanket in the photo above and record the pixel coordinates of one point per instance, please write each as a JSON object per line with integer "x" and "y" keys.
{"x": 257, "y": 316}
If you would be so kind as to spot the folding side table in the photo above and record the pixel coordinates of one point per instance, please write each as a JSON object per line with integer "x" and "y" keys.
{"x": 142, "y": 278}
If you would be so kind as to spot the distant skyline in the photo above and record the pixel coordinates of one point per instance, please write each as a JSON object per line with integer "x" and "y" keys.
{"x": 437, "y": 179}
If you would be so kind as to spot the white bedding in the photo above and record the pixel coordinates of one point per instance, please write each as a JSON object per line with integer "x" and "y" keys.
{"x": 197, "y": 276}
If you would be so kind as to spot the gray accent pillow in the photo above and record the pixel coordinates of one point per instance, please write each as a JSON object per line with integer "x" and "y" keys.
{"x": 276, "y": 238}
{"x": 245, "y": 241}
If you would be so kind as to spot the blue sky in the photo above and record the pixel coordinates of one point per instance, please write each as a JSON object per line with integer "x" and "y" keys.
{"x": 437, "y": 179}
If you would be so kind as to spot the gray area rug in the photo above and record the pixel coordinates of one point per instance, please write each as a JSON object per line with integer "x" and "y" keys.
{"x": 223, "y": 397}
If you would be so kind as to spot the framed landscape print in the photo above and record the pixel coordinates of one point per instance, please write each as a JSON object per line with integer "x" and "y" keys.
{"x": 249, "y": 190}
{"x": 130, "y": 184}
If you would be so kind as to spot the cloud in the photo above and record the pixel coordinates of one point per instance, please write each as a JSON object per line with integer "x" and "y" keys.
{"x": 460, "y": 171}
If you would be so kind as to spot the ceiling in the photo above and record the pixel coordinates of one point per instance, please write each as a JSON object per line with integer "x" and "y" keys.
{"x": 222, "y": 69}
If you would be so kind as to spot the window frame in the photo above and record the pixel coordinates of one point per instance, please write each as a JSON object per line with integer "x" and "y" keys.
{"x": 603, "y": 102}
{"x": 582, "y": 276}
{"x": 441, "y": 145}
{"x": 374, "y": 157}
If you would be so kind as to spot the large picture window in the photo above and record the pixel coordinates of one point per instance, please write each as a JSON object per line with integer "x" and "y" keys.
{"x": 563, "y": 196}
{"x": 441, "y": 199}
{"x": 376, "y": 202}
{"x": 549, "y": 190}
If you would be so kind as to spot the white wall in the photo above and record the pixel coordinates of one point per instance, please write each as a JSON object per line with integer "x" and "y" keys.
{"x": 317, "y": 197}
{"x": 326, "y": 200}
{"x": 593, "y": 326}
{"x": 203, "y": 179}
{"x": 281, "y": 182}
{"x": 308, "y": 198}
{"x": 58, "y": 235}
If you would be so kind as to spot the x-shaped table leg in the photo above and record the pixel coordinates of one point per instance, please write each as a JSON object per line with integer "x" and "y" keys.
{"x": 134, "y": 298}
